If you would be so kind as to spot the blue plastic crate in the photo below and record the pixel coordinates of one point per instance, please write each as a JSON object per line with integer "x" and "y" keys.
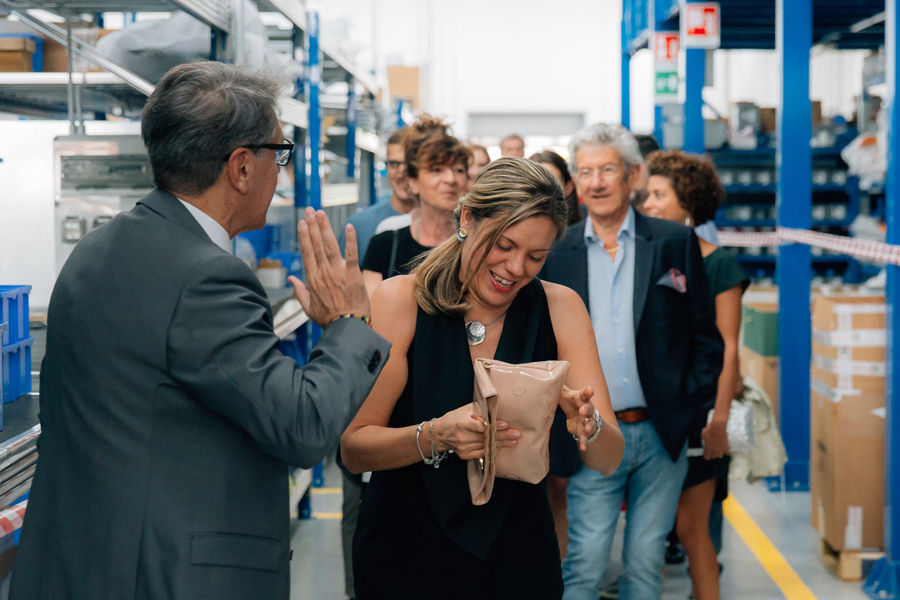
{"x": 14, "y": 312}
{"x": 15, "y": 370}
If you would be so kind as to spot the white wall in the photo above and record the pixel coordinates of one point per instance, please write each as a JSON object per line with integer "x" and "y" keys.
{"x": 560, "y": 57}
{"x": 497, "y": 55}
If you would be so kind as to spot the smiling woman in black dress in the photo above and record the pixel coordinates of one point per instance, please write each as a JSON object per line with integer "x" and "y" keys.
{"x": 419, "y": 534}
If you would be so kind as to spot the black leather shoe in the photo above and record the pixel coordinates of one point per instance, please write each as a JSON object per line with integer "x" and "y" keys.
{"x": 674, "y": 553}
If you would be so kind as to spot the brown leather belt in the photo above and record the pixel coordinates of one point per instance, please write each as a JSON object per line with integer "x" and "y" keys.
{"x": 633, "y": 415}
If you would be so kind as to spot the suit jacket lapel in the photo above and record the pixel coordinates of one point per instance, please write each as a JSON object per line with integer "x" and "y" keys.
{"x": 643, "y": 265}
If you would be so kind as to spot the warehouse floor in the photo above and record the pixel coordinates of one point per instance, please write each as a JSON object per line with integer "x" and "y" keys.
{"x": 784, "y": 519}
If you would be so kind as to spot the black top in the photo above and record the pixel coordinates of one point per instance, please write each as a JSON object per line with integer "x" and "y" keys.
{"x": 415, "y": 518}
{"x": 723, "y": 272}
{"x": 378, "y": 255}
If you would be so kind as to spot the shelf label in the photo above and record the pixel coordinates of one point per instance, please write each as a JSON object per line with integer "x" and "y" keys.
{"x": 700, "y": 25}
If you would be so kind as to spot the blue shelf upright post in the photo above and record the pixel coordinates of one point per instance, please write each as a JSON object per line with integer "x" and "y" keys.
{"x": 351, "y": 128}
{"x": 400, "y": 123}
{"x": 793, "y": 34}
{"x": 694, "y": 78}
{"x": 299, "y": 166}
{"x": 884, "y": 579}
{"x": 626, "y": 80}
{"x": 313, "y": 85}
{"x": 314, "y": 131}
{"x": 694, "y": 74}
{"x": 658, "y": 123}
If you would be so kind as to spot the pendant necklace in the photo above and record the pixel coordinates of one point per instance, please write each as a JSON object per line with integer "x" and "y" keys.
{"x": 476, "y": 330}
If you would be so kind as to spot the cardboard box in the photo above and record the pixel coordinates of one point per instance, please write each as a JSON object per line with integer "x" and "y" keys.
{"x": 760, "y": 328}
{"x": 56, "y": 56}
{"x": 15, "y": 54}
{"x": 403, "y": 82}
{"x": 843, "y": 381}
{"x": 763, "y": 370}
{"x": 816, "y": 109}
{"x": 833, "y": 313}
{"x": 847, "y": 467}
{"x": 848, "y": 346}
{"x": 767, "y": 120}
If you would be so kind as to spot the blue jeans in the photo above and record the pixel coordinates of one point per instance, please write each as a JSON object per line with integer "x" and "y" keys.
{"x": 651, "y": 483}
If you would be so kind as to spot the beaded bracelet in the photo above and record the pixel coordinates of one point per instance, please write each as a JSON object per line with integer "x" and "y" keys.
{"x": 362, "y": 318}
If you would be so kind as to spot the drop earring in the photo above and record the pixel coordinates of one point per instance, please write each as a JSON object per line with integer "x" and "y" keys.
{"x": 461, "y": 234}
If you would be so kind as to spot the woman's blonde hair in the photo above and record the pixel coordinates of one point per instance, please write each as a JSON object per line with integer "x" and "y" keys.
{"x": 510, "y": 189}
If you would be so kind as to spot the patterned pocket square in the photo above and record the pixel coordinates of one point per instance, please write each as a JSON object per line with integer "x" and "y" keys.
{"x": 674, "y": 279}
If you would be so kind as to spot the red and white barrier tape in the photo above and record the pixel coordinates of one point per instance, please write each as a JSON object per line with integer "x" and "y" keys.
{"x": 867, "y": 250}
{"x": 747, "y": 239}
{"x": 11, "y": 518}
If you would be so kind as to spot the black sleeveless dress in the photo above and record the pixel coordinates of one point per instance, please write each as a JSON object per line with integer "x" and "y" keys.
{"x": 419, "y": 535}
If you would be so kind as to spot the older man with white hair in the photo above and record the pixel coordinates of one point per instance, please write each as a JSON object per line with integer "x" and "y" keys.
{"x": 645, "y": 287}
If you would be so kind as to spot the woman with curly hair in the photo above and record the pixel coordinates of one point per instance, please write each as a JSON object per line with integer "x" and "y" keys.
{"x": 685, "y": 188}
{"x": 437, "y": 169}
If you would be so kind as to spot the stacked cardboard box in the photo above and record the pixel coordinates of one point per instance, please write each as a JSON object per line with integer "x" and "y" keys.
{"x": 15, "y": 54}
{"x": 759, "y": 343}
{"x": 847, "y": 421}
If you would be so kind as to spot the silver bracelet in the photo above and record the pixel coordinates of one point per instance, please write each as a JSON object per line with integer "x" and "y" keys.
{"x": 599, "y": 423}
{"x": 435, "y": 458}
{"x": 427, "y": 461}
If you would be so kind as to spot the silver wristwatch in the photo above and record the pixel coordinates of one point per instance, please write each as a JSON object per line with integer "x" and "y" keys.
{"x": 599, "y": 422}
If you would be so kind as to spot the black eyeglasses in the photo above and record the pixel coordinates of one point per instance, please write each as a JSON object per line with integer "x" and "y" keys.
{"x": 283, "y": 151}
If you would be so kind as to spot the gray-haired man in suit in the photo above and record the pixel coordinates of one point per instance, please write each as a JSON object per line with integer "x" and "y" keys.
{"x": 169, "y": 415}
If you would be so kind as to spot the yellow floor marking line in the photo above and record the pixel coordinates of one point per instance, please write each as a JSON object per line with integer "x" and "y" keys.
{"x": 765, "y": 551}
{"x": 326, "y": 490}
{"x": 327, "y": 515}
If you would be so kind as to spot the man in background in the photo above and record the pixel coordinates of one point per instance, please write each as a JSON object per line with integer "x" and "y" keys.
{"x": 644, "y": 284}
{"x": 512, "y": 145}
{"x": 366, "y": 221}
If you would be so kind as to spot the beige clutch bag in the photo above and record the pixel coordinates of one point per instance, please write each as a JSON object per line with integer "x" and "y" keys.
{"x": 525, "y": 396}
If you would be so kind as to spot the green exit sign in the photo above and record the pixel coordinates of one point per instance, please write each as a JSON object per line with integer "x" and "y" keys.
{"x": 667, "y": 82}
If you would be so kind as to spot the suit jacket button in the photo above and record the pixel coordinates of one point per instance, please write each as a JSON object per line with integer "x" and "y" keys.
{"x": 376, "y": 360}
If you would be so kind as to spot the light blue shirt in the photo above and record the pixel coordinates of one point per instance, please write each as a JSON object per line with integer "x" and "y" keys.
{"x": 708, "y": 232}
{"x": 611, "y": 296}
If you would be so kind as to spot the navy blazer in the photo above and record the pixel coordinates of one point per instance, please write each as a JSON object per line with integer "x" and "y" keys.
{"x": 679, "y": 349}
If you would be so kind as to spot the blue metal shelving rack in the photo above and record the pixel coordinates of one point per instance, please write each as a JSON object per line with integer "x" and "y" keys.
{"x": 792, "y": 27}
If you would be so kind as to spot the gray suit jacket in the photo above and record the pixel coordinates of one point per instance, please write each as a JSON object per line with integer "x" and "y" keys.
{"x": 169, "y": 417}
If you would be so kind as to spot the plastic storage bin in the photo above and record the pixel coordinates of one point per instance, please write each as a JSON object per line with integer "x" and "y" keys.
{"x": 14, "y": 312}
{"x": 15, "y": 370}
